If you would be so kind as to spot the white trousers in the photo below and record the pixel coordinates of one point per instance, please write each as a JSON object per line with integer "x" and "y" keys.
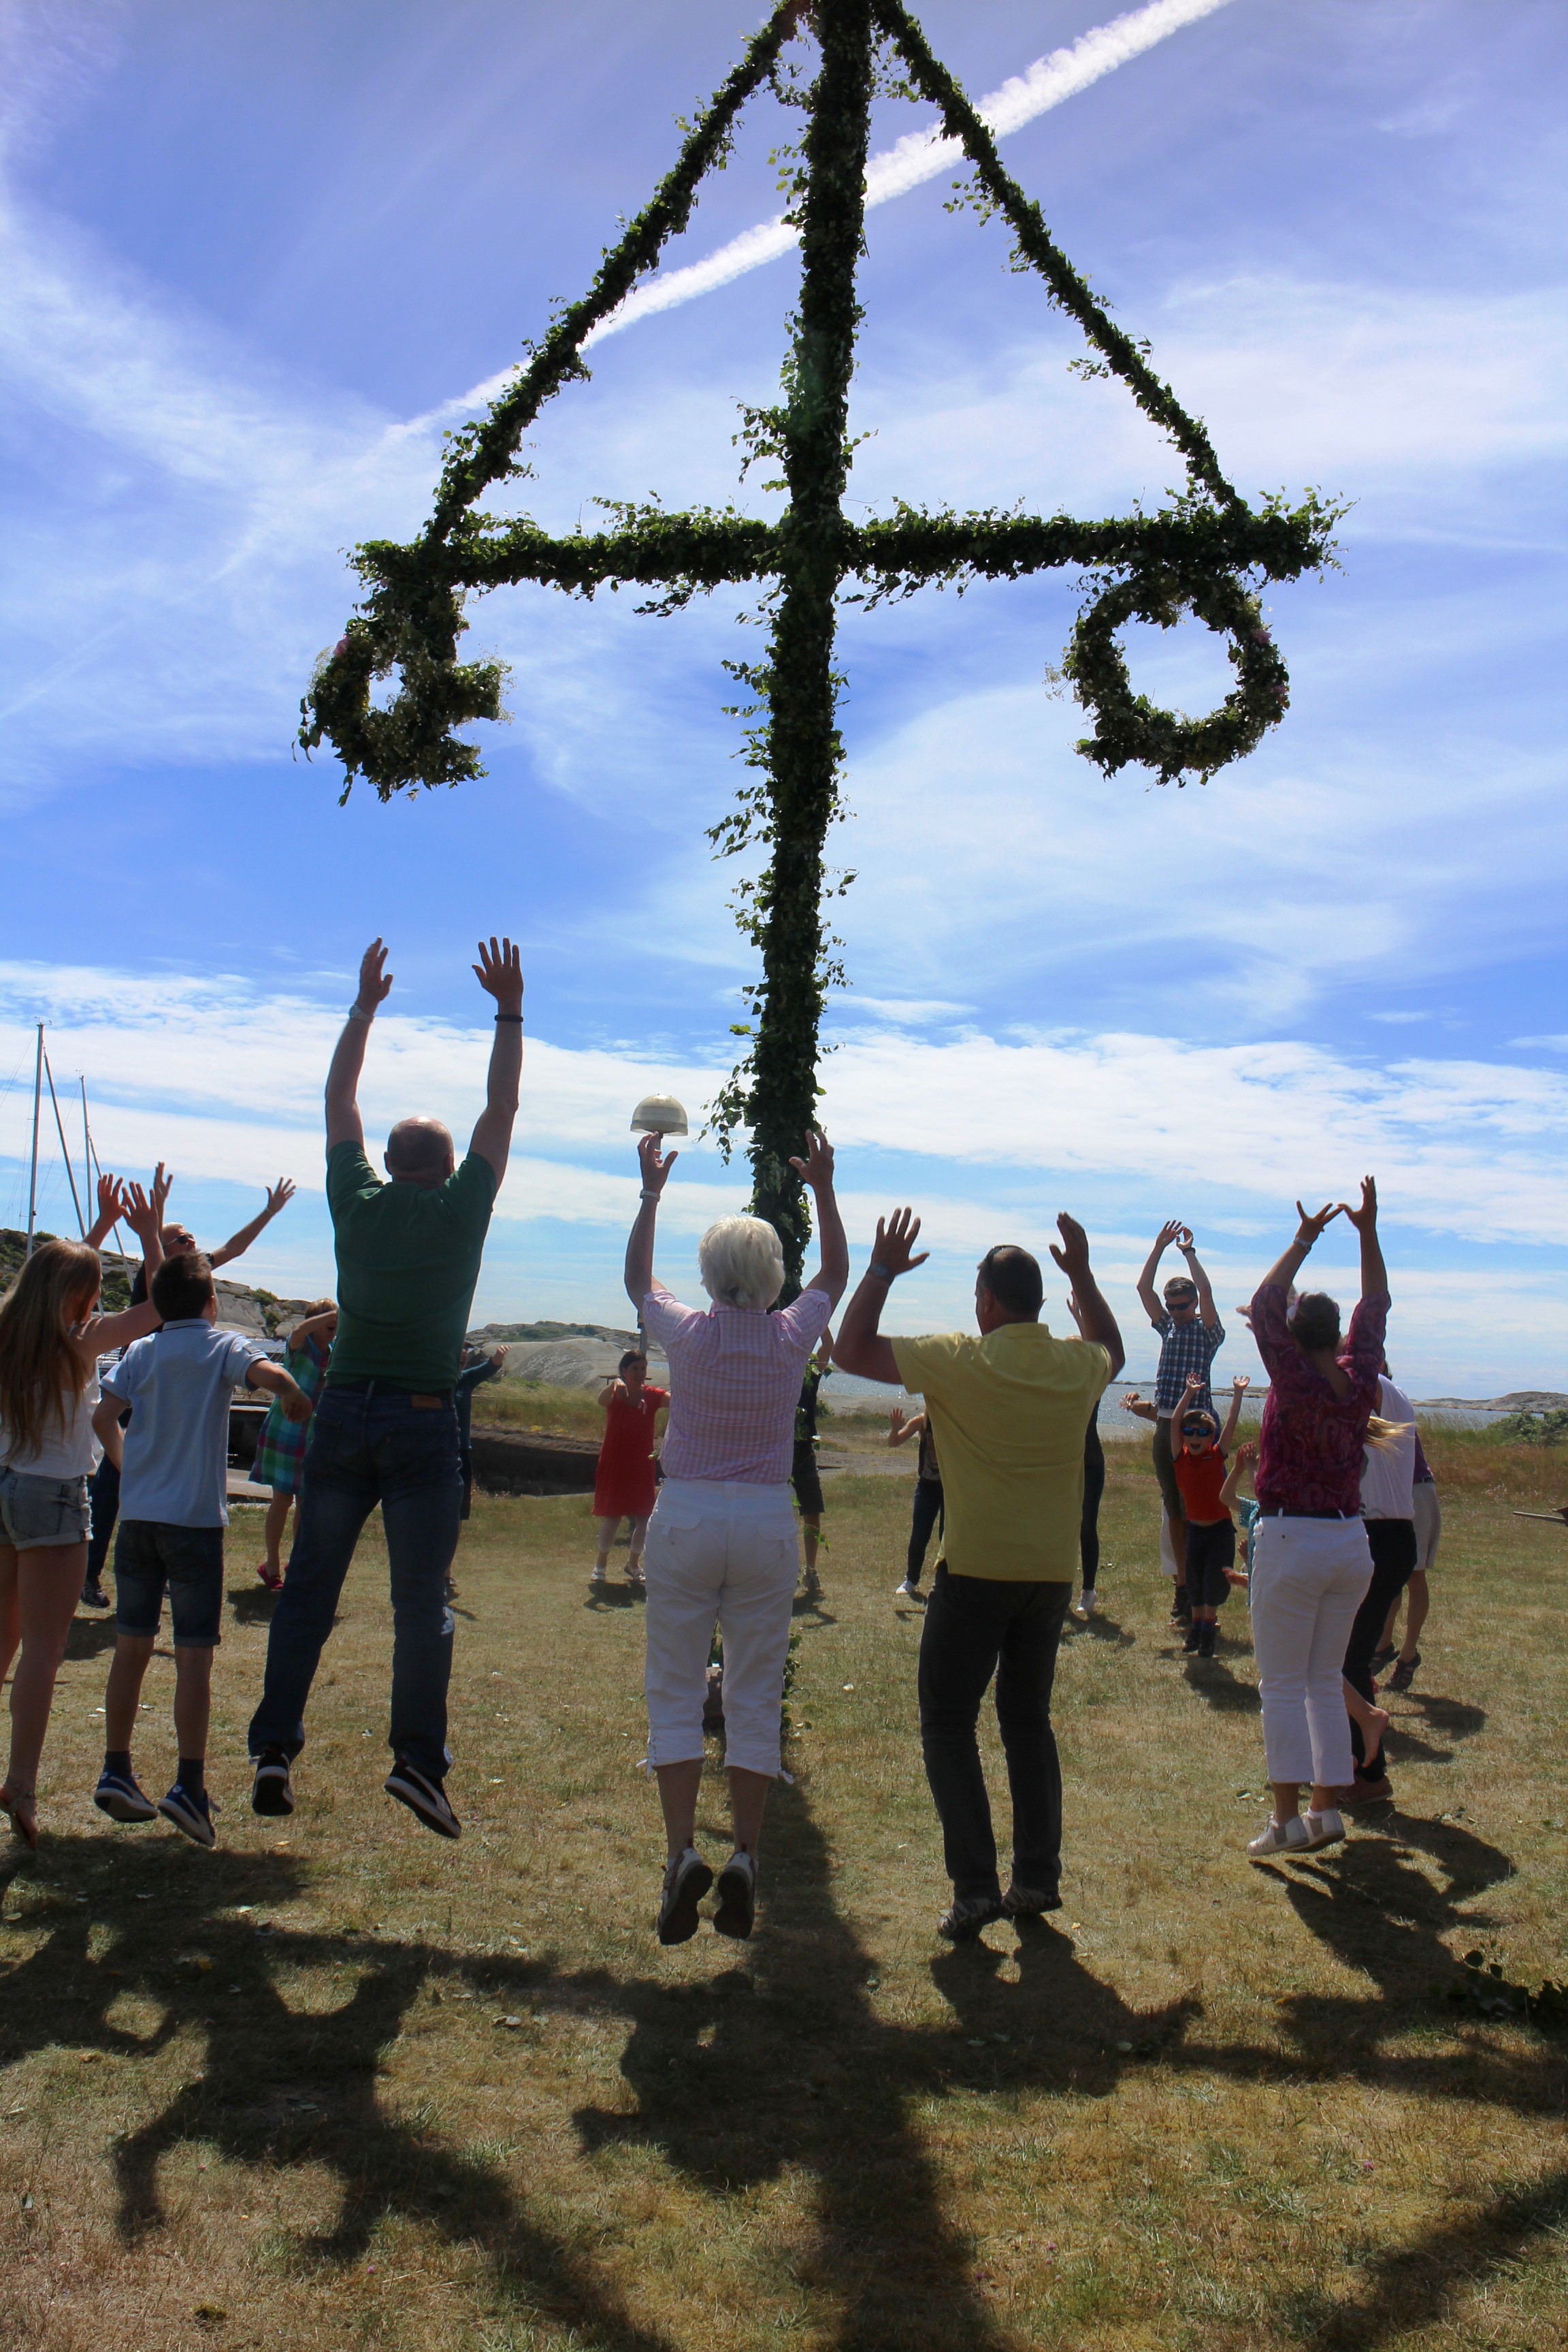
{"x": 1428, "y": 1523}
{"x": 724, "y": 1554}
{"x": 1308, "y": 1578}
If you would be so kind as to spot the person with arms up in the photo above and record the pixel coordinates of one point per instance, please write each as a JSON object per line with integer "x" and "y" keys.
{"x": 385, "y": 1426}
{"x": 1311, "y": 1561}
{"x": 1093, "y": 1495}
{"x": 1009, "y": 1409}
{"x": 721, "y": 1543}
{"x": 1190, "y": 1335}
{"x": 51, "y": 1337}
{"x": 179, "y": 1383}
{"x": 174, "y": 1240}
{"x": 1211, "y": 1531}
{"x": 1389, "y": 1509}
{"x": 926, "y": 1513}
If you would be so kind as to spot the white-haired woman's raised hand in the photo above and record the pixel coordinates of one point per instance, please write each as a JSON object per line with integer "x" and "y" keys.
{"x": 653, "y": 1163}
{"x": 816, "y": 1168}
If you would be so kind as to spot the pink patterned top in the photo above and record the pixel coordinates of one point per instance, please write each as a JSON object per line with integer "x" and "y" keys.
{"x": 1311, "y": 1445}
{"x": 734, "y": 1380}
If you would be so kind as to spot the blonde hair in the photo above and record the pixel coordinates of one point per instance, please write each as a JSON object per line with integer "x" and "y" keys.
{"x": 1383, "y": 1436}
{"x": 39, "y": 1368}
{"x": 740, "y": 1260}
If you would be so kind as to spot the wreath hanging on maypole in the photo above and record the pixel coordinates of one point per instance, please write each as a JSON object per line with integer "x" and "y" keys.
{"x": 1207, "y": 553}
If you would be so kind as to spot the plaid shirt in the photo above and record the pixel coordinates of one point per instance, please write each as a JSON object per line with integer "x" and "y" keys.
{"x": 734, "y": 1382}
{"x": 1185, "y": 1349}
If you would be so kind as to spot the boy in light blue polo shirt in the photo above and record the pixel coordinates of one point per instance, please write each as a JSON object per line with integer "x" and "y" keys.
{"x": 173, "y": 1508}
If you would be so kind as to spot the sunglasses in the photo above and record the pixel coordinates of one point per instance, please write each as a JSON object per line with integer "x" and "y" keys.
{"x": 1195, "y": 1429}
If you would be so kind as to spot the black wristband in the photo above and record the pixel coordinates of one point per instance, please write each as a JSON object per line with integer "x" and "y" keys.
{"x": 511, "y": 1016}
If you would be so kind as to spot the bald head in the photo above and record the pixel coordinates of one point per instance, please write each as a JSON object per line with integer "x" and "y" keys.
{"x": 420, "y": 1151}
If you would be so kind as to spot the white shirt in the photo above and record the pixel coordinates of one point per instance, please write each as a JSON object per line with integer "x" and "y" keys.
{"x": 179, "y": 1383}
{"x": 72, "y": 1451}
{"x": 1387, "y": 1479}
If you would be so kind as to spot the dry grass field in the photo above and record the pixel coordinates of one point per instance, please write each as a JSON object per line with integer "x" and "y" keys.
{"x": 337, "y": 2083}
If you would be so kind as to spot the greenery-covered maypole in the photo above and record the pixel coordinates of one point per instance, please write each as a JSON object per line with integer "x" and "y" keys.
{"x": 1206, "y": 553}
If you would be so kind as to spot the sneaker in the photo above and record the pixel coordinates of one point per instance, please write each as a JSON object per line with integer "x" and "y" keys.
{"x": 687, "y": 1879}
{"x": 598, "y": 1575}
{"x": 118, "y": 1795}
{"x": 1404, "y": 1674}
{"x": 1028, "y": 1902}
{"x": 965, "y": 1916}
{"x": 193, "y": 1815}
{"x": 93, "y": 1595}
{"x": 1326, "y": 1828}
{"x": 1181, "y": 1607}
{"x": 737, "y": 1896}
{"x": 1206, "y": 1640}
{"x": 1194, "y": 1642}
{"x": 1088, "y": 1603}
{"x": 427, "y": 1799}
{"x": 1277, "y": 1838}
{"x": 272, "y": 1791}
{"x": 812, "y": 1585}
{"x": 908, "y": 1591}
{"x": 1382, "y": 1655}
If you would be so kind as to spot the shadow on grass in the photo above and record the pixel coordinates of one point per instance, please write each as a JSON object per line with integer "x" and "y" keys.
{"x": 91, "y": 1637}
{"x": 252, "y": 1603}
{"x": 1213, "y": 1681}
{"x": 1450, "y": 1718}
{"x": 1100, "y": 1627}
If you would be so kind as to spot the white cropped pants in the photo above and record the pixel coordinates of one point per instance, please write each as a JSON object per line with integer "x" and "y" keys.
{"x": 1309, "y": 1578}
{"x": 1428, "y": 1520}
{"x": 726, "y": 1555}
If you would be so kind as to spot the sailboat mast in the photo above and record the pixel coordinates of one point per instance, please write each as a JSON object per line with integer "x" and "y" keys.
{"x": 37, "y": 1106}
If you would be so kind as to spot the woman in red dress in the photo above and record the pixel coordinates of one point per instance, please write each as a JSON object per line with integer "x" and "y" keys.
{"x": 626, "y": 1484}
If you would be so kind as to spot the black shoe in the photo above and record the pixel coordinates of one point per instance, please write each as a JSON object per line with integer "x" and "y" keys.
{"x": 687, "y": 1879}
{"x": 965, "y": 1916}
{"x": 1029, "y": 1902}
{"x": 1206, "y": 1642}
{"x": 1404, "y": 1674}
{"x": 427, "y": 1799}
{"x": 737, "y": 1896}
{"x": 1381, "y": 1656}
{"x": 93, "y": 1595}
{"x": 272, "y": 1790}
{"x": 1194, "y": 1642}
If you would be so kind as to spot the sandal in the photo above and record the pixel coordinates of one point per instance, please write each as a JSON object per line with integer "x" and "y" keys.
{"x": 25, "y": 1823}
{"x": 273, "y": 1583}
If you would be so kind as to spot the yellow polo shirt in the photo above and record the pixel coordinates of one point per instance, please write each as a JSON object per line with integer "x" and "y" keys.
{"x": 1009, "y": 1412}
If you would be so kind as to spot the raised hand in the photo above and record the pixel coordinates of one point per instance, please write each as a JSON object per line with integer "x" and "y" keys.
{"x": 895, "y": 1420}
{"x": 1183, "y": 1239}
{"x": 141, "y": 1214}
{"x": 1073, "y": 1255}
{"x": 110, "y": 1199}
{"x": 279, "y": 1195}
{"x": 654, "y": 1167}
{"x": 1241, "y": 1381}
{"x": 894, "y": 1247}
{"x": 1363, "y": 1219}
{"x": 816, "y": 1168}
{"x": 374, "y": 979}
{"x": 1171, "y": 1231}
{"x": 1195, "y": 1383}
{"x": 1311, "y": 1226}
{"x": 500, "y": 973}
{"x": 162, "y": 1185}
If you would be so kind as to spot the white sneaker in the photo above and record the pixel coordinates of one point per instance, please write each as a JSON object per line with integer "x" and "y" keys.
{"x": 1326, "y": 1828}
{"x": 1289, "y": 1837}
{"x": 1088, "y": 1603}
{"x": 598, "y": 1575}
{"x": 908, "y": 1591}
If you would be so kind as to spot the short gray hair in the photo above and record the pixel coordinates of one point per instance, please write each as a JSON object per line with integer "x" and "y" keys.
{"x": 740, "y": 1260}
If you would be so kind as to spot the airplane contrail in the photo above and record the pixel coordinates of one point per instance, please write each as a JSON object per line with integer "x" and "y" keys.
{"x": 921, "y": 155}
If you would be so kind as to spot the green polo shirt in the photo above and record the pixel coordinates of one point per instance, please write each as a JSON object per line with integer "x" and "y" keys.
{"x": 407, "y": 1263}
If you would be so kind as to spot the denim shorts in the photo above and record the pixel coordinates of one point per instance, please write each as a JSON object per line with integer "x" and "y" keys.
{"x": 150, "y": 1555}
{"x": 38, "y": 1511}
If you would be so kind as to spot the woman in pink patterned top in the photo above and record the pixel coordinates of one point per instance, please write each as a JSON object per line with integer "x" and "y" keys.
{"x": 721, "y": 1543}
{"x": 1310, "y": 1564}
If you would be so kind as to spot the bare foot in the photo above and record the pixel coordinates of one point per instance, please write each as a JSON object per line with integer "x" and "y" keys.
{"x": 1376, "y": 1724}
{"x": 19, "y": 1803}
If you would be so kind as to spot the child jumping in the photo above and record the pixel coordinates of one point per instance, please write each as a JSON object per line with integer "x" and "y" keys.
{"x": 280, "y": 1449}
{"x": 1200, "y": 1471}
{"x": 174, "y": 1508}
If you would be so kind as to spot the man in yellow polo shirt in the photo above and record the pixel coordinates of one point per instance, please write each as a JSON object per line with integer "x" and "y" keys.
{"x": 1008, "y": 1410}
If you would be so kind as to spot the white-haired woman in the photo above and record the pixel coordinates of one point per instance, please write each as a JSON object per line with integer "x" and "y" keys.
{"x": 721, "y": 1543}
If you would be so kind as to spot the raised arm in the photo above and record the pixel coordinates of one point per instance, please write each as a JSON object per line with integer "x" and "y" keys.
{"x": 1288, "y": 1263}
{"x": 1238, "y": 1462}
{"x": 860, "y": 1347}
{"x": 101, "y": 1334}
{"x": 499, "y": 974}
{"x": 1238, "y": 1388}
{"x": 1208, "y": 1312}
{"x": 275, "y": 1382}
{"x": 1138, "y": 1407}
{"x": 1373, "y": 1273}
{"x": 279, "y": 1196}
{"x": 312, "y": 1327}
{"x": 1153, "y": 1304}
{"x": 1095, "y": 1319}
{"x": 343, "y": 1122}
{"x": 654, "y": 1169}
{"x": 110, "y": 1209}
{"x": 817, "y": 1170}
{"x": 902, "y": 1427}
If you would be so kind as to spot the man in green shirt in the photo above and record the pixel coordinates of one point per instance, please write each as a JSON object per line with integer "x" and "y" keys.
{"x": 385, "y": 1426}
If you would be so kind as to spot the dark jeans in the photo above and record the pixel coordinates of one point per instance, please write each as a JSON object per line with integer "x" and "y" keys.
{"x": 1394, "y": 1556}
{"x": 1093, "y": 1490}
{"x": 1210, "y": 1551}
{"x": 104, "y": 1495}
{"x": 368, "y": 1447}
{"x": 926, "y": 1515}
{"x": 977, "y": 1626}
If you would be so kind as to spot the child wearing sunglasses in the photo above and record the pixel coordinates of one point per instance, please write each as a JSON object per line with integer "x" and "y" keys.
{"x": 1200, "y": 1464}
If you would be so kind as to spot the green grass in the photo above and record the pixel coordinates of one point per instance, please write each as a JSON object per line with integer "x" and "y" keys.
{"x": 338, "y": 2085}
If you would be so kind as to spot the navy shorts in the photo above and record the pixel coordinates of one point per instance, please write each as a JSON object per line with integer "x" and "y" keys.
{"x": 1210, "y": 1551}
{"x": 150, "y": 1556}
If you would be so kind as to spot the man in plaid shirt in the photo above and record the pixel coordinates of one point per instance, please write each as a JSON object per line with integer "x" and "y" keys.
{"x": 1190, "y": 1335}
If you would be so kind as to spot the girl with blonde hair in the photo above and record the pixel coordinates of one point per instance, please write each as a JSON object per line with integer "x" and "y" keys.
{"x": 51, "y": 1337}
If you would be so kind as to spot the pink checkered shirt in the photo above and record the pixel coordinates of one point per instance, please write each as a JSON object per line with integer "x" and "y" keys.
{"x": 734, "y": 1382}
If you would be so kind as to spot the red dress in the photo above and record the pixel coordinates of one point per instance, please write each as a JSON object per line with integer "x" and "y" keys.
{"x": 625, "y": 1486}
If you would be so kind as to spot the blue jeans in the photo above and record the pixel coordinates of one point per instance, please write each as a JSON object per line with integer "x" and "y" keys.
{"x": 975, "y": 1627}
{"x": 369, "y": 1446}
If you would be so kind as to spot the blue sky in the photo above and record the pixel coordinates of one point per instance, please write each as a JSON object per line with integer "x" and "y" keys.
{"x": 250, "y": 258}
